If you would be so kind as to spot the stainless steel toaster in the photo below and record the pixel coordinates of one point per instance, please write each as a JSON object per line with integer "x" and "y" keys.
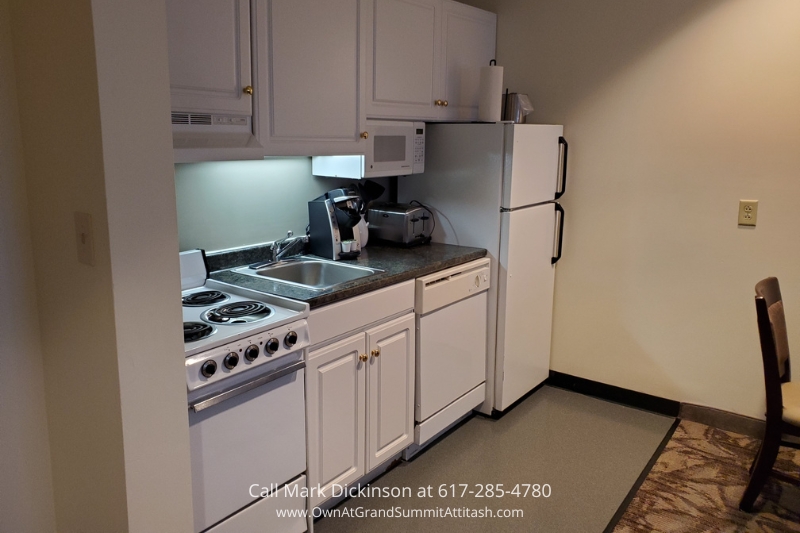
{"x": 400, "y": 223}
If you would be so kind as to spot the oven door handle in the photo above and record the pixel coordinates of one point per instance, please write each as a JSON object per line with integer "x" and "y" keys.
{"x": 250, "y": 385}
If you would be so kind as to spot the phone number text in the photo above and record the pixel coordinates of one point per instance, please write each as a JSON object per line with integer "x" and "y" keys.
{"x": 493, "y": 490}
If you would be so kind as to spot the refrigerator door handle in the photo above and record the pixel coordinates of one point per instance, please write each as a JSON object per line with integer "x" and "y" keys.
{"x": 563, "y": 142}
{"x": 560, "y": 210}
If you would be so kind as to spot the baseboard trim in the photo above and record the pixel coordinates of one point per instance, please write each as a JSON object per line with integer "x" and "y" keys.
{"x": 639, "y": 400}
{"x": 725, "y": 420}
{"x": 642, "y": 476}
{"x": 497, "y": 415}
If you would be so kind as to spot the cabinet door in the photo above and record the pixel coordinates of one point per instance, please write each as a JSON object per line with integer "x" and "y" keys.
{"x": 402, "y": 58}
{"x": 209, "y": 55}
{"x": 309, "y": 77}
{"x": 390, "y": 389}
{"x": 468, "y": 43}
{"x": 335, "y": 408}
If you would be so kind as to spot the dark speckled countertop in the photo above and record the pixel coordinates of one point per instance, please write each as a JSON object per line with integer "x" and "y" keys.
{"x": 398, "y": 264}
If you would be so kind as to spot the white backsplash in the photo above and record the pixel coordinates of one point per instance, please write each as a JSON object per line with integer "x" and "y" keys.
{"x": 229, "y": 204}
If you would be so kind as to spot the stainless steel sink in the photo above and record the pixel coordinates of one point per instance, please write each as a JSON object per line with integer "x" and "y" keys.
{"x": 308, "y": 273}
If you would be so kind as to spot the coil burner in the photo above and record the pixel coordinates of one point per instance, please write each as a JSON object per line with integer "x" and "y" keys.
{"x": 245, "y": 312}
{"x": 194, "y": 331}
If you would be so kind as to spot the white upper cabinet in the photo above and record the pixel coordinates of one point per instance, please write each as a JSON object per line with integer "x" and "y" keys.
{"x": 308, "y": 77}
{"x": 209, "y": 56}
{"x": 250, "y": 78}
{"x": 423, "y": 58}
{"x": 402, "y": 57}
{"x": 468, "y": 43}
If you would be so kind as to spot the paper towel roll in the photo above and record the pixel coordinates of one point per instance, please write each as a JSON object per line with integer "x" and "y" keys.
{"x": 490, "y": 94}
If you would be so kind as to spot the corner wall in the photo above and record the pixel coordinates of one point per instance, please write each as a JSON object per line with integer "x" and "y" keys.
{"x": 26, "y": 485}
{"x": 674, "y": 111}
{"x": 60, "y": 122}
{"x": 94, "y": 104}
{"x": 134, "y": 105}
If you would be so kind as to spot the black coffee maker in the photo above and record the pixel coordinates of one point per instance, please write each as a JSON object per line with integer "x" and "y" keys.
{"x": 333, "y": 219}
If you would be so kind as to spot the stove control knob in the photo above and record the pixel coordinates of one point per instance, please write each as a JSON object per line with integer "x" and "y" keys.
{"x": 208, "y": 368}
{"x": 290, "y": 339}
{"x": 273, "y": 345}
{"x": 251, "y": 352}
{"x": 231, "y": 360}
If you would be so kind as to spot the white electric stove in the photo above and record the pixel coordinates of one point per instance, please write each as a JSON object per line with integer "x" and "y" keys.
{"x": 245, "y": 361}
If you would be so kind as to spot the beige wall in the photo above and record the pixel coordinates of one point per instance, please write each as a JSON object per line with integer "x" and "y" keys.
{"x": 26, "y": 487}
{"x": 134, "y": 103}
{"x": 93, "y": 110}
{"x": 63, "y": 160}
{"x": 674, "y": 111}
{"x": 237, "y": 203}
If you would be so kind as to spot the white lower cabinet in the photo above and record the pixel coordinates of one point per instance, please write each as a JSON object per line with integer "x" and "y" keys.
{"x": 336, "y": 410}
{"x": 390, "y": 389}
{"x": 360, "y": 403}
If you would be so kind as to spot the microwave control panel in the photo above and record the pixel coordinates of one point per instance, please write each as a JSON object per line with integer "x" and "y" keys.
{"x": 419, "y": 148}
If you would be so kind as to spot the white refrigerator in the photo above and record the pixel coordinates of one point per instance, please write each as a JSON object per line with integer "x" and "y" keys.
{"x": 495, "y": 186}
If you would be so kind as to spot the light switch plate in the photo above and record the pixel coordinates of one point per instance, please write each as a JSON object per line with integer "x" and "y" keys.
{"x": 748, "y": 212}
{"x": 84, "y": 236}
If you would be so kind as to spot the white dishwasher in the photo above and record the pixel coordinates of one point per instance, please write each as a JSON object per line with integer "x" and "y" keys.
{"x": 451, "y": 309}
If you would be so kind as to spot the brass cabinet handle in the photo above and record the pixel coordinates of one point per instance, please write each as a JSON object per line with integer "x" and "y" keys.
{"x": 364, "y": 134}
{"x": 376, "y": 353}
{"x": 363, "y": 358}
{"x": 248, "y": 90}
{"x": 444, "y": 103}
{"x": 439, "y": 102}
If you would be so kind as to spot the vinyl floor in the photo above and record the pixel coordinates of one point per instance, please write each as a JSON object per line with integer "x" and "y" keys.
{"x": 588, "y": 451}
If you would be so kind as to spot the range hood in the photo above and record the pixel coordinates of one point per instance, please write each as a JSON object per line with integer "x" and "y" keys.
{"x": 213, "y": 137}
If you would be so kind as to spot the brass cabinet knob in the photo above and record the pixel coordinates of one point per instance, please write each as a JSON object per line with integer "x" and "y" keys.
{"x": 444, "y": 103}
{"x": 248, "y": 90}
{"x": 376, "y": 353}
{"x": 364, "y": 134}
{"x": 363, "y": 358}
{"x": 439, "y": 102}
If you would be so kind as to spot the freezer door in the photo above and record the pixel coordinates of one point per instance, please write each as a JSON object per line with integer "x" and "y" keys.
{"x": 525, "y": 302}
{"x": 532, "y": 157}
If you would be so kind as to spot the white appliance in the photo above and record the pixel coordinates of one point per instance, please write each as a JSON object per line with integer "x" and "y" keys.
{"x": 495, "y": 186}
{"x": 450, "y": 308}
{"x": 392, "y": 148}
{"x": 245, "y": 360}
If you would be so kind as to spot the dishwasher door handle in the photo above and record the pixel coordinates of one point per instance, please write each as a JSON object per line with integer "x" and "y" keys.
{"x": 246, "y": 387}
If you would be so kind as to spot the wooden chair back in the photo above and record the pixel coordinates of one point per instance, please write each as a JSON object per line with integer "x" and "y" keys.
{"x": 774, "y": 343}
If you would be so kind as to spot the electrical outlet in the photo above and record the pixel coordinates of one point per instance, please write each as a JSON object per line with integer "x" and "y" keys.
{"x": 84, "y": 236}
{"x": 748, "y": 212}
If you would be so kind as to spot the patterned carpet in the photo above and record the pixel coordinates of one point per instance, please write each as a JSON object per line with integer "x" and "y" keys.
{"x": 697, "y": 481}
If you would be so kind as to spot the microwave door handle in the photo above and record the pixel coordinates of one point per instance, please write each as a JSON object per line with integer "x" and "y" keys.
{"x": 250, "y": 385}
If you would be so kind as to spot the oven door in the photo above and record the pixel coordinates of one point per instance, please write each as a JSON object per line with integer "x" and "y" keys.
{"x": 251, "y": 434}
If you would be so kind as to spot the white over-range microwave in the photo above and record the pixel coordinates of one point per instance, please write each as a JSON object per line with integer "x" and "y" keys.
{"x": 392, "y": 148}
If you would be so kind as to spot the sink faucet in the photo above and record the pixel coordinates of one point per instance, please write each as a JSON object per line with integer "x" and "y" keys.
{"x": 281, "y": 246}
{"x": 278, "y": 250}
